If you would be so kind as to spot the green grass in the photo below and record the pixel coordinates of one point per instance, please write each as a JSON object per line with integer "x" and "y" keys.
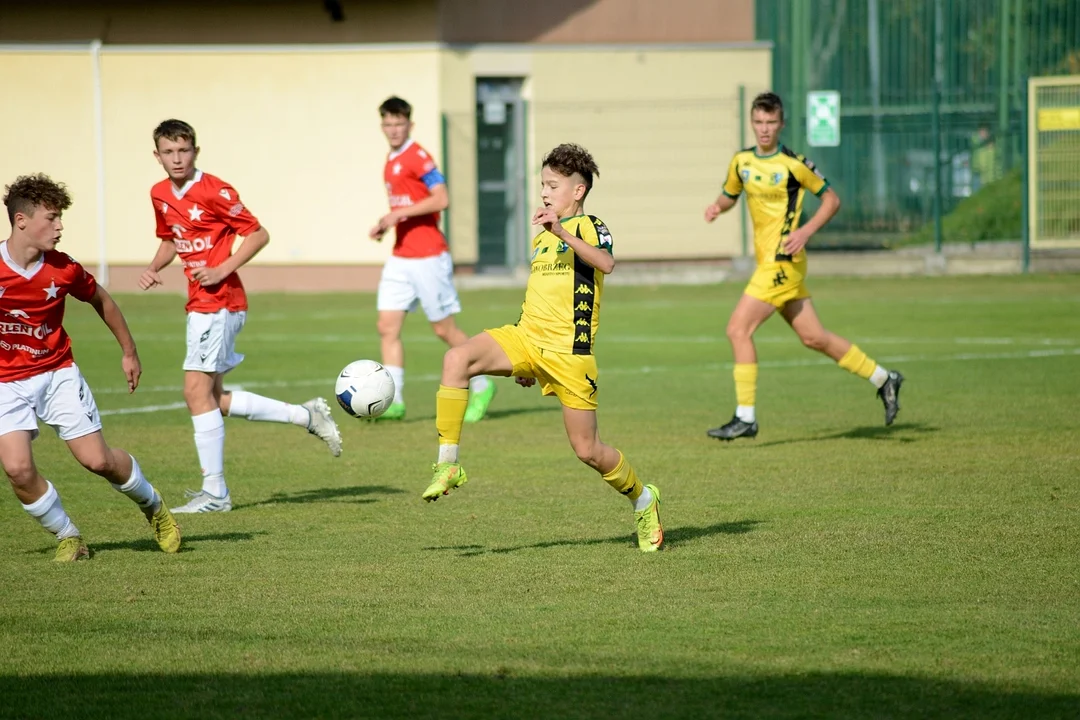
{"x": 831, "y": 568}
{"x": 993, "y": 213}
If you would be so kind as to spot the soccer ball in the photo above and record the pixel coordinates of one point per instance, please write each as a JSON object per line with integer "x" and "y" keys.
{"x": 364, "y": 389}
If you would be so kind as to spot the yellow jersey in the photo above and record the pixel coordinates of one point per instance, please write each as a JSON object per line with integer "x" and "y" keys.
{"x": 774, "y": 187}
{"x": 561, "y": 312}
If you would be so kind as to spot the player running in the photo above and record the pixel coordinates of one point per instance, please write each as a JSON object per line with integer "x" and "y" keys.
{"x": 38, "y": 374}
{"x": 198, "y": 218}
{"x": 552, "y": 342}
{"x": 420, "y": 271}
{"x": 775, "y": 179}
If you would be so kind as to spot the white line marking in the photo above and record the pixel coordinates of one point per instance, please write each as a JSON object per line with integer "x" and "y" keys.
{"x": 962, "y": 357}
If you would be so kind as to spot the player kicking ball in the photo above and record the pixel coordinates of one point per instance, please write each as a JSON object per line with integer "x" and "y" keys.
{"x": 39, "y": 377}
{"x": 198, "y": 218}
{"x": 775, "y": 180}
{"x": 419, "y": 271}
{"x": 552, "y": 342}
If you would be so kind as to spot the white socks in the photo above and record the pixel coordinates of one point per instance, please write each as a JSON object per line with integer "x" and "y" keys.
{"x": 263, "y": 409}
{"x": 879, "y": 376}
{"x": 448, "y": 453}
{"x": 138, "y": 488}
{"x": 643, "y": 500}
{"x": 398, "y": 374}
{"x": 745, "y": 413}
{"x": 210, "y": 444}
{"x": 479, "y": 383}
{"x": 49, "y": 511}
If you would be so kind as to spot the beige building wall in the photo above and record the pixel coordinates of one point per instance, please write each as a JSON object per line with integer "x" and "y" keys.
{"x": 48, "y": 126}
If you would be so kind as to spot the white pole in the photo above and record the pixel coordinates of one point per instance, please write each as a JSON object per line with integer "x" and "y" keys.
{"x": 99, "y": 143}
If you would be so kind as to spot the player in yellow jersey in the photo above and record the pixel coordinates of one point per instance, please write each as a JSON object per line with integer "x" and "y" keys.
{"x": 552, "y": 341}
{"x": 775, "y": 179}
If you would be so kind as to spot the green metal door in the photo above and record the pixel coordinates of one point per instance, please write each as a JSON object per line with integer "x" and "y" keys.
{"x": 500, "y": 180}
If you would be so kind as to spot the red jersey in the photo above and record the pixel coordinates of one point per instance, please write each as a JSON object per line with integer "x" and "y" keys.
{"x": 32, "y": 336}
{"x": 410, "y": 173}
{"x": 203, "y": 219}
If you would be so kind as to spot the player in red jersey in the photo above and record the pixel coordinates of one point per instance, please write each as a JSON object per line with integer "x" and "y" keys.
{"x": 420, "y": 271}
{"x": 38, "y": 375}
{"x": 198, "y": 218}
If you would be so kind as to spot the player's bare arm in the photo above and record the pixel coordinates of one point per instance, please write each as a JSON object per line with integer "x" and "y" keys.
{"x": 718, "y": 208}
{"x": 830, "y": 205}
{"x": 249, "y": 248}
{"x": 165, "y": 253}
{"x": 602, "y": 260}
{"x": 110, "y": 314}
{"x": 437, "y": 201}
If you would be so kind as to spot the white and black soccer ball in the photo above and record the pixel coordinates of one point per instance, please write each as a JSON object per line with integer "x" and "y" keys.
{"x": 364, "y": 389}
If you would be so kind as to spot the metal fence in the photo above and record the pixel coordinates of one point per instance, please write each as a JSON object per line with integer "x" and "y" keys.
{"x": 933, "y": 95}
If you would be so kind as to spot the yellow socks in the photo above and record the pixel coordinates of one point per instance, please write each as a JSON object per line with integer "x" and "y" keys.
{"x": 856, "y": 362}
{"x": 745, "y": 383}
{"x": 450, "y": 404}
{"x": 624, "y": 479}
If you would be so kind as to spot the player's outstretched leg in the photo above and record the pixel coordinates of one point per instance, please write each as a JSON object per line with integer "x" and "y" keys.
{"x": 450, "y": 404}
{"x": 746, "y": 318}
{"x": 313, "y": 415}
{"x": 581, "y": 429}
{"x": 887, "y": 382}
{"x": 889, "y": 392}
{"x": 37, "y": 495}
{"x": 124, "y": 474}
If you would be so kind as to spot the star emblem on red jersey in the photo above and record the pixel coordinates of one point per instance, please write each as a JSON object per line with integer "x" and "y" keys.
{"x": 397, "y": 168}
{"x": 51, "y": 291}
{"x": 196, "y": 213}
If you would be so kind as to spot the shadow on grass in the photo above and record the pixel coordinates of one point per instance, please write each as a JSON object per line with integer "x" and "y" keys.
{"x": 326, "y": 495}
{"x": 903, "y": 433}
{"x": 672, "y": 537}
{"x": 505, "y": 694}
{"x": 148, "y": 545}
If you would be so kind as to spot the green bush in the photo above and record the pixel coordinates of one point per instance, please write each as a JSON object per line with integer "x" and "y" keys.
{"x": 992, "y": 213}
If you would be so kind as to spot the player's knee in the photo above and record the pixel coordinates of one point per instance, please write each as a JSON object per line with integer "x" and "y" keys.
{"x": 444, "y": 330}
{"x": 97, "y": 463}
{"x": 587, "y": 451}
{"x": 388, "y": 328}
{"x": 737, "y": 331}
{"x": 456, "y": 362}
{"x": 21, "y": 473}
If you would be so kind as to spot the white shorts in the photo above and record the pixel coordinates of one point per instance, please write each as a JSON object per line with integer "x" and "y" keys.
{"x": 61, "y": 398}
{"x": 211, "y": 341}
{"x": 427, "y": 282}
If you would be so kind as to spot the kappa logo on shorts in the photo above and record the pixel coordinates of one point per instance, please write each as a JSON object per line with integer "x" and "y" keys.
{"x": 779, "y": 279}
{"x": 591, "y": 383}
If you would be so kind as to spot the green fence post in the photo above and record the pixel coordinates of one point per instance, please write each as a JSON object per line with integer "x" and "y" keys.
{"x": 939, "y": 71}
{"x": 743, "y": 220}
{"x": 1025, "y": 178}
{"x": 445, "y": 130}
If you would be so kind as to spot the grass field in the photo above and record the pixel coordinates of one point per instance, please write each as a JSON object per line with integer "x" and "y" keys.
{"x": 830, "y": 568}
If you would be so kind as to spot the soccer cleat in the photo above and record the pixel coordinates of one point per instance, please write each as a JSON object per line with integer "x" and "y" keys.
{"x": 321, "y": 424}
{"x": 396, "y": 411}
{"x": 204, "y": 502}
{"x": 478, "y": 403}
{"x": 890, "y": 395}
{"x": 72, "y": 549}
{"x": 650, "y": 533}
{"x": 734, "y": 429}
{"x": 447, "y": 477}
{"x": 166, "y": 531}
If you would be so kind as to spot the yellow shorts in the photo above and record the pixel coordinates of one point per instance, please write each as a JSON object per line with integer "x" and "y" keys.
{"x": 778, "y": 283}
{"x": 571, "y": 378}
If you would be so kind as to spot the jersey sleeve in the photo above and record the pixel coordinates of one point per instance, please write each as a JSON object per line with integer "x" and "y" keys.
{"x": 599, "y": 236}
{"x": 425, "y": 168}
{"x": 808, "y": 175}
{"x": 226, "y": 204}
{"x": 83, "y": 284}
{"x": 733, "y": 185}
{"x": 164, "y": 232}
